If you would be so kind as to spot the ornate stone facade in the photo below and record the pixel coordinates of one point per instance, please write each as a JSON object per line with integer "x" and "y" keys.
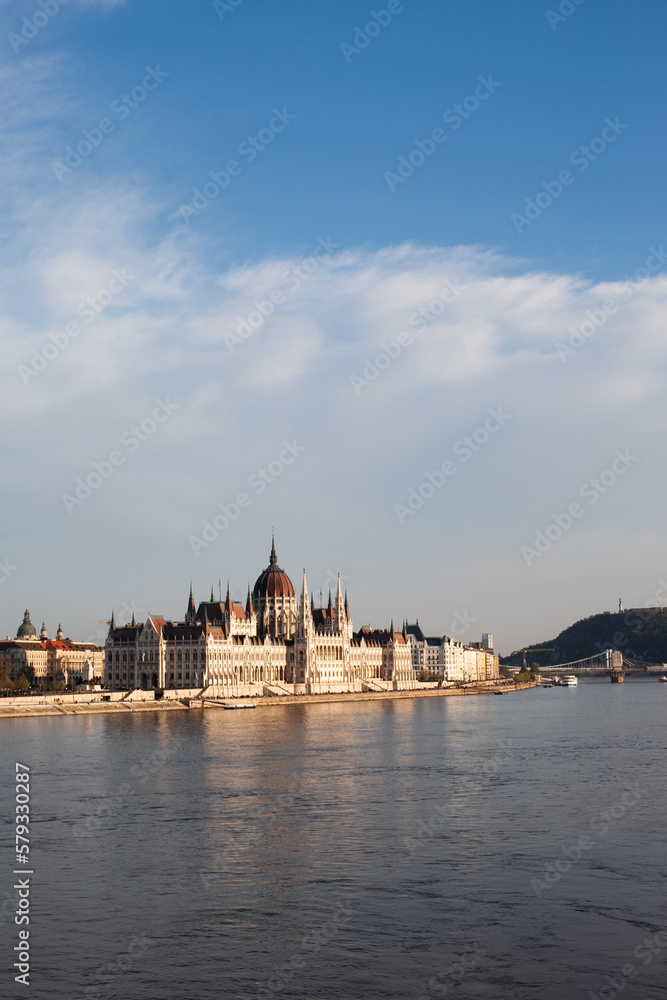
{"x": 449, "y": 658}
{"x": 58, "y": 659}
{"x": 272, "y": 645}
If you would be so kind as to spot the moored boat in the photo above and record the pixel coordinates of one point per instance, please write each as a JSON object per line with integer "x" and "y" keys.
{"x": 569, "y": 680}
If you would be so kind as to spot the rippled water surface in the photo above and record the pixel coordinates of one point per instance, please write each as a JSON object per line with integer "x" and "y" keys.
{"x": 412, "y": 849}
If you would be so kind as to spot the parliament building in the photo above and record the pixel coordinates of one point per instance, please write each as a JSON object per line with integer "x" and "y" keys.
{"x": 275, "y": 644}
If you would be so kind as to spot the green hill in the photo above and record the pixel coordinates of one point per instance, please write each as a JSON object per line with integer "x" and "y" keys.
{"x": 639, "y": 633}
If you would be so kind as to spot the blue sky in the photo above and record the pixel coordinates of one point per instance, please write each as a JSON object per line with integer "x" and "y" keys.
{"x": 520, "y": 256}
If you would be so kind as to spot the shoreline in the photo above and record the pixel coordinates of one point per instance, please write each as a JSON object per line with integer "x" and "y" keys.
{"x": 190, "y": 704}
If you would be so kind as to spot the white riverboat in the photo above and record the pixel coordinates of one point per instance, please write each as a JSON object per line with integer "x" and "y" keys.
{"x": 569, "y": 681}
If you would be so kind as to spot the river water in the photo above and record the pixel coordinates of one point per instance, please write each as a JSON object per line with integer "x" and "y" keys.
{"x": 389, "y": 849}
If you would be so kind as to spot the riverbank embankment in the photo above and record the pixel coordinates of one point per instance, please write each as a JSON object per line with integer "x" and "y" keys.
{"x": 60, "y": 707}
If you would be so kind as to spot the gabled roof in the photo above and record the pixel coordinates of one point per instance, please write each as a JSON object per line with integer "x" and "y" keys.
{"x": 416, "y": 631}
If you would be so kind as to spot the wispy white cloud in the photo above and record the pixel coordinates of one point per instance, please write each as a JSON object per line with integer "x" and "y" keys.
{"x": 176, "y": 330}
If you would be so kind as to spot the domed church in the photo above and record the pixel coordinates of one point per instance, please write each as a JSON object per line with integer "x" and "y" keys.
{"x": 26, "y": 629}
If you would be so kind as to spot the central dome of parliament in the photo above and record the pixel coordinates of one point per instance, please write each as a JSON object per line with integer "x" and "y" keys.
{"x": 273, "y": 582}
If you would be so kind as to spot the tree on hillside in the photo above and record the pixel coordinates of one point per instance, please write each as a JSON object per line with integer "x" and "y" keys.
{"x": 6, "y": 682}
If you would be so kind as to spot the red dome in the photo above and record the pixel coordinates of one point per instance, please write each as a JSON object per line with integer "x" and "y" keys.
{"x": 273, "y": 582}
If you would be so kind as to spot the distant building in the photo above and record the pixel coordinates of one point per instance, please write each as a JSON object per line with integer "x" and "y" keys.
{"x": 275, "y": 642}
{"x": 450, "y": 659}
{"x": 53, "y": 660}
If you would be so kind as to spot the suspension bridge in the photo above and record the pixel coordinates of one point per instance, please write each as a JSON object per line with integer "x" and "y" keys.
{"x": 610, "y": 661}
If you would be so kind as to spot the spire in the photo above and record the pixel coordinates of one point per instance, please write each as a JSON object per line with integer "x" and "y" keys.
{"x": 192, "y": 611}
{"x": 329, "y": 604}
{"x": 212, "y": 594}
{"x": 305, "y": 607}
{"x": 112, "y": 623}
{"x": 341, "y": 613}
{"x": 249, "y": 610}
{"x": 391, "y": 628}
{"x": 347, "y": 607}
{"x": 273, "y": 561}
{"x": 134, "y": 620}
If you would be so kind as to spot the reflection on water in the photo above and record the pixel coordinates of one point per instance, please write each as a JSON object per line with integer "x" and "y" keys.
{"x": 469, "y": 848}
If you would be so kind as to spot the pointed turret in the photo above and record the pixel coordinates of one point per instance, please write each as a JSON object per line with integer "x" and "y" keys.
{"x": 134, "y": 620}
{"x": 347, "y": 607}
{"x": 212, "y": 594}
{"x": 249, "y": 610}
{"x": 59, "y": 633}
{"x": 303, "y": 603}
{"x": 305, "y": 622}
{"x": 341, "y": 614}
{"x": 273, "y": 561}
{"x": 191, "y": 613}
{"x": 112, "y": 623}
{"x": 228, "y": 600}
{"x": 391, "y": 629}
{"x": 43, "y": 635}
